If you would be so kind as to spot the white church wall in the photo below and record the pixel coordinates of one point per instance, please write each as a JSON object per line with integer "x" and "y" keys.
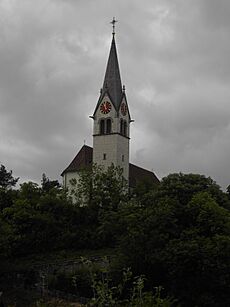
{"x": 68, "y": 177}
{"x": 116, "y": 149}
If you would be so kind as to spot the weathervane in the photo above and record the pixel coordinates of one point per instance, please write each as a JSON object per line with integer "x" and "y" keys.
{"x": 113, "y": 23}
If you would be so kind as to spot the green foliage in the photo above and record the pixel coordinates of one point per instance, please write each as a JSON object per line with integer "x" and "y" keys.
{"x": 177, "y": 234}
{"x": 199, "y": 265}
{"x": 100, "y": 188}
{"x": 228, "y": 191}
{"x": 200, "y": 255}
{"x": 207, "y": 218}
{"x": 6, "y": 179}
{"x": 35, "y": 221}
{"x": 42, "y": 218}
{"x": 54, "y": 303}
{"x": 100, "y": 193}
{"x": 183, "y": 186}
{"x": 143, "y": 189}
{"x": 129, "y": 292}
{"x": 180, "y": 237}
{"x": 47, "y": 185}
{"x": 7, "y": 182}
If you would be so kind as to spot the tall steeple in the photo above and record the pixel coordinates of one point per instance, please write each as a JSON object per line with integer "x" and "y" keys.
{"x": 112, "y": 118}
{"x": 112, "y": 81}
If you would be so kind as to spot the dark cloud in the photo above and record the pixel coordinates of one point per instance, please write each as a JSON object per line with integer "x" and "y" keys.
{"x": 174, "y": 60}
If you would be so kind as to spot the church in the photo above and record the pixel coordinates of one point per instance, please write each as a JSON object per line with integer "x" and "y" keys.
{"x": 111, "y": 130}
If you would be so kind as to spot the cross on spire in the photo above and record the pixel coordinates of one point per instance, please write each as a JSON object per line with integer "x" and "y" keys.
{"x": 113, "y": 23}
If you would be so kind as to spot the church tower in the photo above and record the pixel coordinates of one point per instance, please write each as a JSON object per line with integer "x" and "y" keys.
{"x": 111, "y": 131}
{"x": 111, "y": 128}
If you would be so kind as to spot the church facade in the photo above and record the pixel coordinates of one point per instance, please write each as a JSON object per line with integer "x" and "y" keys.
{"x": 111, "y": 131}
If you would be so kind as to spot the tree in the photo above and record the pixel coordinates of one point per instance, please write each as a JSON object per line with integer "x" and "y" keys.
{"x": 7, "y": 182}
{"x": 48, "y": 184}
{"x": 38, "y": 221}
{"x": 184, "y": 186}
{"x": 198, "y": 260}
{"x": 179, "y": 237}
{"x": 100, "y": 193}
{"x": 228, "y": 191}
{"x": 100, "y": 188}
{"x": 6, "y": 179}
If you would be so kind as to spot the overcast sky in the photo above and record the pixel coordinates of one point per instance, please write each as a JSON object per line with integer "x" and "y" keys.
{"x": 174, "y": 61}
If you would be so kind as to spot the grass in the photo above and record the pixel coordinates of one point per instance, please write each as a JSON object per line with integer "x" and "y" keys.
{"x": 52, "y": 258}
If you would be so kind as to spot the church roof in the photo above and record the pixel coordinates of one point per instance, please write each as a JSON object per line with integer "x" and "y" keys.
{"x": 139, "y": 174}
{"x": 84, "y": 158}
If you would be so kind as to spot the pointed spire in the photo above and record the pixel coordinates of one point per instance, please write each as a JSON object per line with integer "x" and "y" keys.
{"x": 112, "y": 80}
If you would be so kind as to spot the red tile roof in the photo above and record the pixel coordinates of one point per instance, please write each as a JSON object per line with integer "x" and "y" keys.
{"x": 84, "y": 160}
{"x": 138, "y": 174}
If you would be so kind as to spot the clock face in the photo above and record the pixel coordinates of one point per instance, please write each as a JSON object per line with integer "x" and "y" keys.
{"x": 123, "y": 109}
{"x": 105, "y": 107}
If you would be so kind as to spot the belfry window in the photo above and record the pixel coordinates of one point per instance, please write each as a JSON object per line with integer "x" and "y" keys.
{"x": 105, "y": 126}
{"x": 102, "y": 126}
{"x": 125, "y": 128}
{"x": 121, "y": 126}
{"x": 108, "y": 125}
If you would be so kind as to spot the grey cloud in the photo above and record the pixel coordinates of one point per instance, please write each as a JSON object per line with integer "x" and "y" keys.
{"x": 174, "y": 61}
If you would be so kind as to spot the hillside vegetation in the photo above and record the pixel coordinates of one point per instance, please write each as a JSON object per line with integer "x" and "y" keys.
{"x": 175, "y": 235}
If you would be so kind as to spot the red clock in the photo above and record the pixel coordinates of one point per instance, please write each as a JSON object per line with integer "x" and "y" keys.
{"x": 105, "y": 107}
{"x": 123, "y": 109}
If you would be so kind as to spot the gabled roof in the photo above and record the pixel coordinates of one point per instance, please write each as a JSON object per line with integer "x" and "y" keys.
{"x": 84, "y": 158}
{"x": 139, "y": 174}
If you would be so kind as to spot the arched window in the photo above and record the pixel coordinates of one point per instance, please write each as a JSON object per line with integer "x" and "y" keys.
{"x": 125, "y": 128}
{"x": 102, "y": 126}
{"x": 108, "y": 125}
{"x": 121, "y": 126}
